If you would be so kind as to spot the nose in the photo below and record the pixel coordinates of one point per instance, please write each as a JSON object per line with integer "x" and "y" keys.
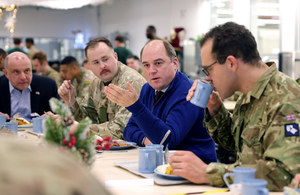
{"x": 152, "y": 69}
{"x": 22, "y": 75}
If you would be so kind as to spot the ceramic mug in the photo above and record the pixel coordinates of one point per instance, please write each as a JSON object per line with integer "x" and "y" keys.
{"x": 255, "y": 187}
{"x": 38, "y": 124}
{"x": 240, "y": 174}
{"x": 159, "y": 153}
{"x": 202, "y": 93}
{"x": 13, "y": 126}
{"x": 147, "y": 160}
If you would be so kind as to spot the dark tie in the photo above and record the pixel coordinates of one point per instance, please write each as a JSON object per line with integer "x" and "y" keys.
{"x": 158, "y": 95}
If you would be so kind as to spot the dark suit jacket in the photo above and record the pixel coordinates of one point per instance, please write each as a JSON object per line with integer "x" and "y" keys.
{"x": 42, "y": 89}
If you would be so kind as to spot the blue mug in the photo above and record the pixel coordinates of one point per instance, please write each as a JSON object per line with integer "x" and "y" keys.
{"x": 38, "y": 124}
{"x": 159, "y": 153}
{"x": 254, "y": 187}
{"x": 240, "y": 174}
{"x": 2, "y": 119}
{"x": 147, "y": 160}
{"x": 202, "y": 93}
{"x": 13, "y": 126}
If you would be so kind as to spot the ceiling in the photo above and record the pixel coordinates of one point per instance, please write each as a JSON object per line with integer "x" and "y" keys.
{"x": 53, "y": 4}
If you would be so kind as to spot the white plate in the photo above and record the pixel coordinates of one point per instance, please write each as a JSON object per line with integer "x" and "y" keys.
{"x": 25, "y": 126}
{"x": 160, "y": 170}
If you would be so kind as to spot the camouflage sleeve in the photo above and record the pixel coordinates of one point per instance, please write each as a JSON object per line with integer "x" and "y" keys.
{"x": 86, "y": 108}
{"x": 219, "y": 128}
{"x": 281, "y": 156}
{"x": 116, "y": 125}
{"x": 113, "y": 127}
{"x": 215, "y": 172}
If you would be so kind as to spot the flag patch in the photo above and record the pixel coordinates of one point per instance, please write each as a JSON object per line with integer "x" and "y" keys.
{"x": 290, "y": 117}
{"x": 291, "y": 130}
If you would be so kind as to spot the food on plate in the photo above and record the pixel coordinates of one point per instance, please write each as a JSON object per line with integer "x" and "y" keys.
{"x": 120, "y": 144}
{"x": 169, "y": 170}
{"x": 22, "y": 121}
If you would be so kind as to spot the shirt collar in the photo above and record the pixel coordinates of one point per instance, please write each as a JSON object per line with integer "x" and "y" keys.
{"x": 262, "y": 83}
{"x": 11, "y": 87}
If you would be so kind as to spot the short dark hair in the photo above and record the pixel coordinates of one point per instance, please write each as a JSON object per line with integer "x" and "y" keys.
{"x": 92, "y": 43}
{"x": 169, "y": 49}
{"x": 17, "y": 41}
{"x": 120, "y": 39}
{"x": 133, "y": 56}
{"x": 3, "y": 53}
{"x": 69, "y": 61}
{"x": 232, "y": 39}
{"x": 40, "y": 56}
{"x": 151, "y": 27}
{"x": 29, "y": 40}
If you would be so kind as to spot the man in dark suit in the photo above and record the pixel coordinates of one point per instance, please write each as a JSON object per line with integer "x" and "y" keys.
{"x": 22, "y": 92}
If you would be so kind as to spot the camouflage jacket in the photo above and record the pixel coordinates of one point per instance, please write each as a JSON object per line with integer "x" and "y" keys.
{"x": 263, "y": 130}
{"x": 108, "y": 118}
{"x": 82, "y": 84}
{"x": 53, "y": 74}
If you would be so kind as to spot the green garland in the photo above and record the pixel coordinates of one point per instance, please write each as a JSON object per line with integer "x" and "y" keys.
{"x": 80, "y": 143}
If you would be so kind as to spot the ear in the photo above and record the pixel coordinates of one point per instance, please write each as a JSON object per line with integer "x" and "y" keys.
{"x": 5, "y": 72}
{"x": 232, "y": 63}
{"x": 175, "y": 63}
{"x": 116, "y": 55}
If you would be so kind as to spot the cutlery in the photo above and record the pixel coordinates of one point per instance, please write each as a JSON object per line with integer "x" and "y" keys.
{"x": 165, "y": 137}
{"x": 166, "y": 154}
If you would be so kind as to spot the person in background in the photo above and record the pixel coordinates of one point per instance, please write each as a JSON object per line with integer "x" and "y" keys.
{"x": 162, "y": 105}
{"x": 80, "y": 78}
{"x": 86, "y": 64}
{"x": 21, "y": 91}
{"x": 264, "y": 126}
{"x": 41, "y": 66}
{"x": 30, "y": 46}
{"x": 151, "y": 33}
{"x": 295, "y": 181}
{"x": 30, "y": 170}
{"x": 3, "y": 55}
{"x": 121, "y": 50}
{"x": 108, "y": 118}
{"x": 134, "y": 62}
{"x": 17, "y": 46}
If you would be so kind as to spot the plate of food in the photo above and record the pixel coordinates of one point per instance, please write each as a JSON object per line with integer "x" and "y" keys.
{"x": 165, "y": 171}
{"x": 23, "y": 123}
{"x": 121, "y": 145}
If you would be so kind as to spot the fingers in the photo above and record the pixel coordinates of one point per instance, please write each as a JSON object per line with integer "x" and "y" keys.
{"x": 6, "y": 115}
{"x": 192, "y": 91}
{"x": 65, "y": 89}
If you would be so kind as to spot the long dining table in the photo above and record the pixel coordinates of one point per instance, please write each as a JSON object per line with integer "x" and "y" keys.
{"x": 120, "y": 181}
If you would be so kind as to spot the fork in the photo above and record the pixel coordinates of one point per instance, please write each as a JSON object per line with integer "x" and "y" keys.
{"x": 166, "y": 154}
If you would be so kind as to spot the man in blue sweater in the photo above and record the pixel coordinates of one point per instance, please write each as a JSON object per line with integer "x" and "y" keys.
{"x": 151, "y": 118}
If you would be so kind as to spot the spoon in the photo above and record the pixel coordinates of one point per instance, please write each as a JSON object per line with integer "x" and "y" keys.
{"x": 165, "y": 137}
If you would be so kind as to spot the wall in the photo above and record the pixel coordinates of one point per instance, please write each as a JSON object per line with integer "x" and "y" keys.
{"x": 133, "y": 16}
{"x": 43, "y": 22}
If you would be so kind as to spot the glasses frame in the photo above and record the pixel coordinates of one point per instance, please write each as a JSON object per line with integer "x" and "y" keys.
{"x": 204, "y": 68}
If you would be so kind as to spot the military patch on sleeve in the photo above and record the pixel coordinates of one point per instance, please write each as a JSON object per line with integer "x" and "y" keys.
{"x": 290, "y": 117}
{"x": 291, "y": 129}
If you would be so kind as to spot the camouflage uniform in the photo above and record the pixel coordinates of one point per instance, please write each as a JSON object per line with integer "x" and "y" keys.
{"x": 30, "y": 170}
{"x": 298, "y": 81}
{"x": 258, "y": 130}
{"x": 82, "y": 84}
{"x": 108, "y": 117}
{"x": 53, "y": 74}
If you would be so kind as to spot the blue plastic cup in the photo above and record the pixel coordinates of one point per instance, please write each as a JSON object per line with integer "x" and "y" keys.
{"x": 147, "y": 160}
{"x": 255, "y": 187}
{"x": 2, "y": 119}
{"x": 202, "y": 93}
{"x": 240, "y": 174}
{"x": 159, "y": 153}
{"x": 13, "y": 126}
{"x": 38, "y": 124}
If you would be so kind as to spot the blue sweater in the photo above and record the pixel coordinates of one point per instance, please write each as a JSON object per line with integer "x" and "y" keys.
{"x": 173, "y": 112}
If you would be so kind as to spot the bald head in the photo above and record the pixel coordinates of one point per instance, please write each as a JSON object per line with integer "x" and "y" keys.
{"x": 18, "y": 70}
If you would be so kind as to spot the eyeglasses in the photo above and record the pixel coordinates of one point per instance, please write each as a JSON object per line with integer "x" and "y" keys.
{"x": 204, "y": 68}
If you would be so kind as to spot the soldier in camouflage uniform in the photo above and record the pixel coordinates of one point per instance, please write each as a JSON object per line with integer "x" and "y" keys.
{"x": 30, "y": 170}
{"x": 108, "y": 118}
{"x": 41, "y": 66}
{"x": 79, "y": 77}
{"x": 264, "y": 126}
